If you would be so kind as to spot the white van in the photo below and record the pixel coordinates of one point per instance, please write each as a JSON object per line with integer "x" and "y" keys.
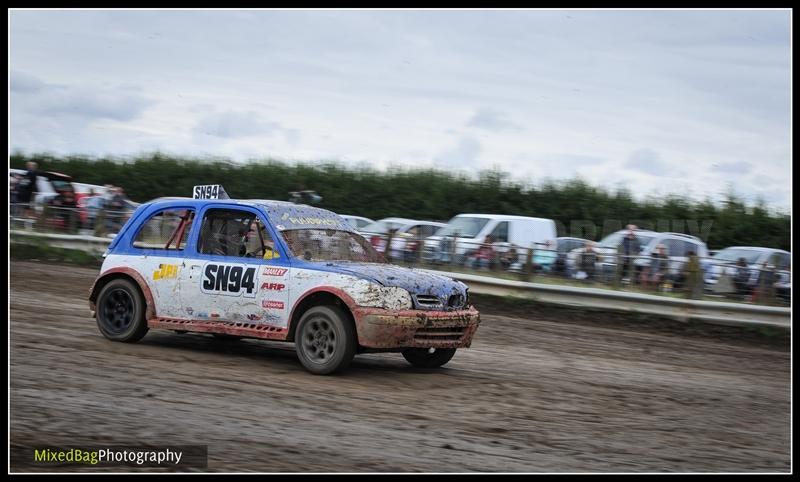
{"x": 471, "y": 230}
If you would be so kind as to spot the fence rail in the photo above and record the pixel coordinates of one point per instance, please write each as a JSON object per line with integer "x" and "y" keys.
{"x": 577, "y": 296}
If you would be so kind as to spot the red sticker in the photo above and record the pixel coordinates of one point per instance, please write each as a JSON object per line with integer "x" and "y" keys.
{"x": 268, "y": 271}
{"x": 277, "y": 305}
{"x": 273, "y": 286}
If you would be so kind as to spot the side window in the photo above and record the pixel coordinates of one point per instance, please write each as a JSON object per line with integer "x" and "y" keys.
{"x": 786, "y": 260}
{"x": 166, "y": 230}
{"x": 689, "y": 246}
{"x": 231, "y": 232}
{"x": 500, "y": 233}
{"x": 674, "y": 247}
{"x": 428, "y": 230}
{"x": 780, "y": 260}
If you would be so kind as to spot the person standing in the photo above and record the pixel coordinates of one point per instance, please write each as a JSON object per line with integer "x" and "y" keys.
{"x": 27, "y": 187}
{"x": 630, "y": 248}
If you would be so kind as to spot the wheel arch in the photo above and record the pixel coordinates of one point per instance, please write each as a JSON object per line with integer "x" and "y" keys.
{"x": 321, "y": 296}
{"x": 130, "y": 275}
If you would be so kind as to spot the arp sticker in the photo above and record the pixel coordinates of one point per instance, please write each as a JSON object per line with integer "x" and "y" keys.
{"x": 229, "y": 279}
{"x": 273, "y": 286}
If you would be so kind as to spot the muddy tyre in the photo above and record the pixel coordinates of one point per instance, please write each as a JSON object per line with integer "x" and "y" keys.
{"x": 325, "y": 340}
{"x": 120, "y": 311}
{"x": 428, "y": 357}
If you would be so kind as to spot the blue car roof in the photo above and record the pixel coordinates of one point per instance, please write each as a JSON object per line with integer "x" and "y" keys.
{"x": 282, "y": 214}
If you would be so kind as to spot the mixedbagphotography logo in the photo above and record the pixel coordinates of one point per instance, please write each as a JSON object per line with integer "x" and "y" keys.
{"x": 173, "y": 456}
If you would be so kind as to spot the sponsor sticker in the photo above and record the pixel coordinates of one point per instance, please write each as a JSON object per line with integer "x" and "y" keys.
{"x": 270, "y": 271}
{"x": 274, "y": 305}
{"x": 165, "y": 271}
{"x": 273, "y": 286}
{"x": 254, "y": 317}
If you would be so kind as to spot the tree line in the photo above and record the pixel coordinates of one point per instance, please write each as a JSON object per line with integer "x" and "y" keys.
{"x": 578, "y": 208}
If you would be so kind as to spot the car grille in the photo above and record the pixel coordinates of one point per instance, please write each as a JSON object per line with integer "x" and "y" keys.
{"x": 434, "y": 303}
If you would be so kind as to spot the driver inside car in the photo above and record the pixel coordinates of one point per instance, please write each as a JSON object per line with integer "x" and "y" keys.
{"x": 257, "y": 243}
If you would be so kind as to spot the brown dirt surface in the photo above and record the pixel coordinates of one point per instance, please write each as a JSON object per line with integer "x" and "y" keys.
{"x": 537, "y": 392}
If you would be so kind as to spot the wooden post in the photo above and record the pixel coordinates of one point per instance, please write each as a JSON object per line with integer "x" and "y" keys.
{"x": 527, "y": 271}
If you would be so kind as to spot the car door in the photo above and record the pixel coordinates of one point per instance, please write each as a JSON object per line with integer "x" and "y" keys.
{"x": 159, "y": 247}
{"x": 237, "y": 272}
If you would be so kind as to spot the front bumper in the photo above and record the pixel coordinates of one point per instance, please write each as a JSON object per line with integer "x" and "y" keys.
{"x": 387, "y": 329}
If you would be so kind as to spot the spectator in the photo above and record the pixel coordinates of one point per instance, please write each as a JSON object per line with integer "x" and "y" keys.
{"x": 630, "y": 247}
{"x": 116, "y": 209}
{"x": 65, "y": 209}
{"x": 741, "y": 278}
{"x": 657, "y": 271}
{"x": 587, "y": 263}
{"x": 764, "y": 284}
{"x": 544, "y": 259}
{"x": 27, "y": 187}
{"x": 13, "y": 192}
{"x": 692, "y": 276}
{"x": 484, "y": 256}
{"x": 509, "y": 258}
{"x": 446, "y": 246}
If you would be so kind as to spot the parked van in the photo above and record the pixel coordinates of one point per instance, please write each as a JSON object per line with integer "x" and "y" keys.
{"x": 469, "y": 231}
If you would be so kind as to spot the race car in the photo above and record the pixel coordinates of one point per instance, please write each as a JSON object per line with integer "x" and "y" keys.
{"x": 274, "y": 270}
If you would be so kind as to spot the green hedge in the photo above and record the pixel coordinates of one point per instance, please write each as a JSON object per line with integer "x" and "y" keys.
{"x": 430, "y": 194}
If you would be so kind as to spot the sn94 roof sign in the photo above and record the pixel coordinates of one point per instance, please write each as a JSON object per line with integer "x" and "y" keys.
{"x": 210, "y": 191}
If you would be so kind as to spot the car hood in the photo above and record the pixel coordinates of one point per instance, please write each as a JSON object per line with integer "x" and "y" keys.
{"x": 414, "y": 281}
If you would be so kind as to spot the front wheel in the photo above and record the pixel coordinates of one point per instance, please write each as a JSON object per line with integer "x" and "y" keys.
{"x": 325, "y": 340}
{"x": 120, "y": 311}
{"x": 428, "y": 357}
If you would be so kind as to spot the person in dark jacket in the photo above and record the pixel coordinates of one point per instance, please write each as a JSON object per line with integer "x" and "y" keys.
{"x": 631, "y": 247}
{"x": 26, "y": 189}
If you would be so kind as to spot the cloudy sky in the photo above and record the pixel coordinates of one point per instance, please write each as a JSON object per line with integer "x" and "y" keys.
{"x": 687, "y": 102}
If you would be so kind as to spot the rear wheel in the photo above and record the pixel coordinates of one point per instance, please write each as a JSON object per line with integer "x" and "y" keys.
{"x": 120, "y": 311}
{"x": 428, "y": 357}
{"x": 325, "y": 340}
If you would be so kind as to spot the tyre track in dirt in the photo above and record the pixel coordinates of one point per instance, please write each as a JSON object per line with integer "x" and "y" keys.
{"x": 531, "y": 395}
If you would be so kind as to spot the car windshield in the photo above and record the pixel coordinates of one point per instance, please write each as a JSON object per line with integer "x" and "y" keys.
{"x": 382, "y": 227}
{"x": 732, "y": 255}
{"x": 60, "y": 185}
{"x": 330, "y": 245}
{"x": 464, "y": 227}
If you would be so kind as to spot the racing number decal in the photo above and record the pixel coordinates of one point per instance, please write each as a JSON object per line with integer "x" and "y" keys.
{"x": 229, "y": 279}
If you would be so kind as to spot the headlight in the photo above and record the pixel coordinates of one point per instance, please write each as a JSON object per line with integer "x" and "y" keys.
{"x": 375, "y": 296}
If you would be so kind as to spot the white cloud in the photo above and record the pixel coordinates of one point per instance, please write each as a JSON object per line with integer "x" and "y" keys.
{"x": 706, "y": 93}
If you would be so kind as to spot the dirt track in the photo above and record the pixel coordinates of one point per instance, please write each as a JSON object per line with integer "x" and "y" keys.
{"x": 529, "y": 396}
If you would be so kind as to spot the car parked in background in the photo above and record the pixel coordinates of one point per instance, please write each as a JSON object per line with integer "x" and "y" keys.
{"x": 358, "y": 222}
{"x": 725, "y": 260}
{"x": 405, "y": 234}
{"x": 606, "y": 249}
{"x": 553, "y": 259}
{"x": 677, "y": 246}
{"x": 504, "y": 232}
